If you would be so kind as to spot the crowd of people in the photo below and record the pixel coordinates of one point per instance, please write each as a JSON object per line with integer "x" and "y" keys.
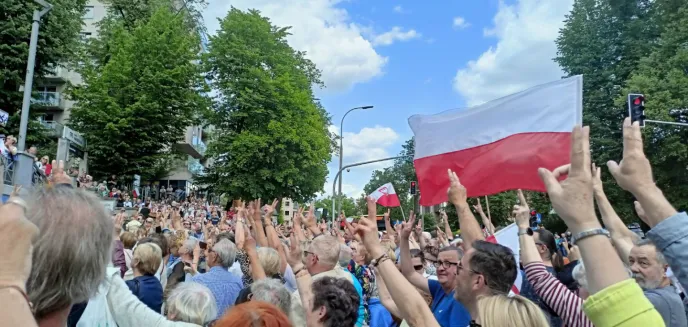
{"x": 188, "y": 262}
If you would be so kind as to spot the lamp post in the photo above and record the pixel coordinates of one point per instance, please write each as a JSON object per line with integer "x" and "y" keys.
{"x": 24, "y": 170}
{"x": 341, "y": 151}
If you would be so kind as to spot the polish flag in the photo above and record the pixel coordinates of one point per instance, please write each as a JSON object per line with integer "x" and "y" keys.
{"x": 508, "y": 236}
{"x": 499, "y": 145}
{"x": 386, "y": 196}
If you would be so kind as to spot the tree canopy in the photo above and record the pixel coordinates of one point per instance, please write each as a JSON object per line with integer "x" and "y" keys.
{"x": 271, "y": 135}
{"x": 142, "y": 89}
{"x": 58, "y": 43}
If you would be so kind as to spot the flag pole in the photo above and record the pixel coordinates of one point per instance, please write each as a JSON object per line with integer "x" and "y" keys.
{"x": 487, "y": 204}
{"x": 402, "y": 212}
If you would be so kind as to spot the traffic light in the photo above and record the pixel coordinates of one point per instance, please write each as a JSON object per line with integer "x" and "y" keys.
{"x": 636, "y": 108}
{"x": 413, "y": 188}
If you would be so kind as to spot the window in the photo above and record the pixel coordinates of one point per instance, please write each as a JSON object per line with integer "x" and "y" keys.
{"x": 286, "y": 203}
{"x": 85, "y": 36}
{"x": 286, "y": 214}
{"x": 88, "y": 13}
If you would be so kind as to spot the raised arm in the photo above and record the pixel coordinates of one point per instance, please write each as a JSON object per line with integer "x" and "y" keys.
{"x": 622, "y": 237}
{"x": 447, "y": 228}
{"x": 385, "y": 298}
{"x": 555, "y": 294}
{"x": 257, "y": 272}
{"x": 410, "y": 303}
{"x": 258, "y": 229}
{"x": 388, "y": 224}
{"x": 470, "y": 229}
{"x": 485, "y": 219}
{"x": 573, "y": 201}
{"x": 407, "y": 269}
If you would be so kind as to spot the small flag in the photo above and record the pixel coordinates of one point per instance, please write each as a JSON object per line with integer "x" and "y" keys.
{"x": 386, "y": 196}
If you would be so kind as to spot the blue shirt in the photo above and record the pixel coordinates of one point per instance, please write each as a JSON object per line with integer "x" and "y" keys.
{"x": 361, "y": 307}
{"x": 224, "y": 285}
{"x": 149, "y": 290}
{"x": 447, "y": 311}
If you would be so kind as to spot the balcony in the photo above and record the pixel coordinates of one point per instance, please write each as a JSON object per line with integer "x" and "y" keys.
{"x": 48, "y": 100}
{"x": 58, "y": 74}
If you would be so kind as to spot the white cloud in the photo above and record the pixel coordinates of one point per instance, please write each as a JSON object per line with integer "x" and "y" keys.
{"x": 370, "y": 143}
{"x": 395, "y": 34}
{"x": 332, "y": 41}
{"x": 460, "y": 23}
{"x": 399, "y": 9}
{"x": 523, "y": 55}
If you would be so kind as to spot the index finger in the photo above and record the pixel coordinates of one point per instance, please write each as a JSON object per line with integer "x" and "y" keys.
{"x": 633, "y": 140}
{"x": 580, "y": 151}
{"x": 522, "y": 198}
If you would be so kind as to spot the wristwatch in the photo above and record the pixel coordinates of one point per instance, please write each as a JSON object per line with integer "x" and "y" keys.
{"x": 525, "y": 231}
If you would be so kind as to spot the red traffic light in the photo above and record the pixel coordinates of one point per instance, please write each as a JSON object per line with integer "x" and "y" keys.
{"x": 638, "y": 100}
{"x": 413, "y": 184}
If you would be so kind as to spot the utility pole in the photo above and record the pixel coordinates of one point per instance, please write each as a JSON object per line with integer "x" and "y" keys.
{"x": 24, "y": 169}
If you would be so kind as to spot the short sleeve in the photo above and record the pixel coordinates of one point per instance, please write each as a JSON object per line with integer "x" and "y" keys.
{"x": 434, "y": 287}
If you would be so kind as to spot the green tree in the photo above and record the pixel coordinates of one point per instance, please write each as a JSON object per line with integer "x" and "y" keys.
{"x": 604, "y": 41}
{"x": 271, "y": 137}
{"x": 57, "y": 44}
{"x": 137, "y": 101}
{"x": 348, "y": 206}
{"x": 662, "y": 78}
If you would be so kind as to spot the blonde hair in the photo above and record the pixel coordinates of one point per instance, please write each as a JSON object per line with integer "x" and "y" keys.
{"x": 147, "y": 258}
{"x": 505, "y": 311}
{"x": 270, "y": 261}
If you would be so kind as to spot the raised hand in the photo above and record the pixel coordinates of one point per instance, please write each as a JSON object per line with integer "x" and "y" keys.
{"x": 309, "y": 220}
{"x": 522, "y": 212}
{"x": 573, "y": 198}
{"x": 367, "y": 230}
{"x": 478, "y": 207}
{"x": 58, "y": 175}
{"x": 407, "y": 226}
{"x": 293, "y": 252}
{"x": 456, "y": 192}
{"x": 633, "y": 173}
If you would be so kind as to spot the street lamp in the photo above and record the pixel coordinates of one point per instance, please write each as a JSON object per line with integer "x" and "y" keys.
{"x": 24, "y": 170}
{"x": 339, "y": 175}
{"x": 341, "y": 150}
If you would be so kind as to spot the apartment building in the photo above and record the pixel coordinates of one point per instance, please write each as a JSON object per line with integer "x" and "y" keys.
{"x": 55, "y": 108}
{"x": 289, "y": 209}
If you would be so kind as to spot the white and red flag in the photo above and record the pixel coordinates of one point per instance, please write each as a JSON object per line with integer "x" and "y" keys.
{"x": 499, "y": 145}
{"x": 386, "y": 196}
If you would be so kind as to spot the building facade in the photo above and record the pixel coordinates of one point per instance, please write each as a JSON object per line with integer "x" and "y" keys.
{"x": 55, "y": 109}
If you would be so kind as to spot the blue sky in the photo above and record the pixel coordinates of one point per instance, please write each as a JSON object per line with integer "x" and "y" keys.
{"x": 411, "y": 57}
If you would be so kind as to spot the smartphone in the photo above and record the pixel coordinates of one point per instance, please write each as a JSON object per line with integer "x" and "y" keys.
{"x": 203, "y": 245}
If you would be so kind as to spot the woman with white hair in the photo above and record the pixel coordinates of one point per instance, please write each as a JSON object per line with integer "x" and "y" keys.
{"x": 192, "y": 303}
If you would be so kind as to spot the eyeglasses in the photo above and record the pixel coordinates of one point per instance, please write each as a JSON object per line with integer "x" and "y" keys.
{"x": 445, "y": 264}
{"x": 306, "y": 253}
{"x": 460, "y": 267}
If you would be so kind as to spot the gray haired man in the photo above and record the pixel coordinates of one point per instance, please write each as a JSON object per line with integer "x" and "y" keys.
{"x": 649, "y": 268}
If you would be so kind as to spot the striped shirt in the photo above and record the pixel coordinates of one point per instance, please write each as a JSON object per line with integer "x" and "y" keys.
{"x": 556, "y": 295}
